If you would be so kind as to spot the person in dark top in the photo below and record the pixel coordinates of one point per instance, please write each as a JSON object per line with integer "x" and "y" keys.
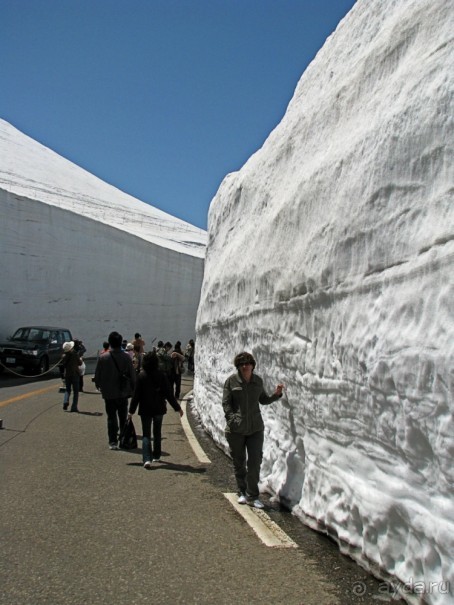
{"x": 242, "y": 397}
{"x": 70, "y": 363}
{"x": 150, "y": 394}
{"x": 115, "y": 378}
{"x": 80, "y": 349}
{"x": 164, "y": 359}
{"x": 177, "y": 368}
{"x": 189, "y": 354}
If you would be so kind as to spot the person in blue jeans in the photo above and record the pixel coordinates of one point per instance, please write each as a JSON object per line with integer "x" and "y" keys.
{"x": 151, "y": 392}
{"x": 70, "y": 363}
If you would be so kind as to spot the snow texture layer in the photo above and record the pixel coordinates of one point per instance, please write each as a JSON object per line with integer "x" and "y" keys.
{"x": 79, "y": 253}
{"x": 330, "y": 258}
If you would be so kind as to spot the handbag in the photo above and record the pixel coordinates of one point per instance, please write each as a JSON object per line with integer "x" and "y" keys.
{"x": 128, "y": 437}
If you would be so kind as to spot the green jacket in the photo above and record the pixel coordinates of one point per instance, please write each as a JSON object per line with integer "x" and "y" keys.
{"x": 241, "y": 404}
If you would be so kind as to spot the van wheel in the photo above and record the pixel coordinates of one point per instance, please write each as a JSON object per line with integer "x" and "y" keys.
{"x": 43, "y": 365}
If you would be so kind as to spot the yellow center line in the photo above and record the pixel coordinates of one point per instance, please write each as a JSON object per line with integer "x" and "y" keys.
{"x": 25, "y": 396}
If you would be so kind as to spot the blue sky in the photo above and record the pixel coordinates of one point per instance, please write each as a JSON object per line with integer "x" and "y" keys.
{"x": 160, "y": 98}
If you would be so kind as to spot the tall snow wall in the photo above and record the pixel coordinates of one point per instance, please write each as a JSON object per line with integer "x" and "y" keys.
{"x": 78, "y": 253}
{"x": 330, "y": 258}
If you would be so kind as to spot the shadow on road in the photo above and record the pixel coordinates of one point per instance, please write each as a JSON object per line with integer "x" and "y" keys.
{"x": 170, "y": 466}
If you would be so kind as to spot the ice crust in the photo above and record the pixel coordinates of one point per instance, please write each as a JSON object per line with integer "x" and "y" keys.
{"x": 330, "y": 258}
{"x": 78, "y": 253}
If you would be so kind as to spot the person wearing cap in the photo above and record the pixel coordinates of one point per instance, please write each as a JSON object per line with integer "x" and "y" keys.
{"x": 243, "y": 394}
{"x": 70, "y": 363}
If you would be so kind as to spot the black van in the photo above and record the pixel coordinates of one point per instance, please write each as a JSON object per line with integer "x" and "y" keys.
{"x": 34, "y": 348}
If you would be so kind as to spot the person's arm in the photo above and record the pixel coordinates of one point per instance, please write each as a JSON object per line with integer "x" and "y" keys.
{"x": 230, "y": 412}
{"x": 98, "y": 374}
{"x": 169, "y": 395}
{"x": 132, "y": 373}
{"x": 266, "y": 399}
{"x": 135, "y": 397}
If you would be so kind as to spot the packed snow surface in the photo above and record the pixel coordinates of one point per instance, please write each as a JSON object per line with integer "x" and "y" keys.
{"x": 330, "y": 258}
{"x": 80, "y": 254}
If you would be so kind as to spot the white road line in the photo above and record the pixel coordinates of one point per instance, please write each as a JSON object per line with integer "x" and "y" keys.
{"x": 198, "y": 451}
{"x": 266, "y": 529}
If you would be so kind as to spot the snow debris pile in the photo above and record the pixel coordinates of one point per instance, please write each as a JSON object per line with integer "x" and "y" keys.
{"x": 330, "y": 258}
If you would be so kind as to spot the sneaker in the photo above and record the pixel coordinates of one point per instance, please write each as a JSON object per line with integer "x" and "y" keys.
{"x": 156, "y": 459}
{"x": 258, "y": 504}
{"x": 147, "y": 464}
{"x": 65, "y": 407}
{"x": 113, "y": 446}
{"x": 242, "y": 499}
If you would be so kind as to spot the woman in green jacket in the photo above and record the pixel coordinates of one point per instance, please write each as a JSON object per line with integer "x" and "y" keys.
{"x": 243, "y": 394}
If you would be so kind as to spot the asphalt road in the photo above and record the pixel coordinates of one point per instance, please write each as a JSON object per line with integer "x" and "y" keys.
{"x": 82, "y": 524}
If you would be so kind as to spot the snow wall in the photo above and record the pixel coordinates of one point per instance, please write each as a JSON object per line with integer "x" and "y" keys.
{"x": 78, "y": 253}
{"x": 330, "y": 258}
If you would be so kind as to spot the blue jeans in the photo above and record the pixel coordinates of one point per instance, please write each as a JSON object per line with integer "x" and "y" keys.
{"x": 117, "y": 412}
{"x": 147, "y": 421}
{"x": 71, "y": 382}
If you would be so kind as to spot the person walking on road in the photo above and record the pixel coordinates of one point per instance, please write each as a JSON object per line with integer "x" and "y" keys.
{"x": 115, "y": 378}
{"x": 150, "y": 394}
{"x": 243, "y": 392}
{"x": 189, "y": 354}
{"x": 164, "y": 359}
{"x": 177, "y": 368}
{"x": 80, "y": 350}
{"x": 70, "y": 363}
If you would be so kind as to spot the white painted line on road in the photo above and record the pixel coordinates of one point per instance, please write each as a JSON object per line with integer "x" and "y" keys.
{"x": 198, "y": 451}
{"x": 266, "y": 529}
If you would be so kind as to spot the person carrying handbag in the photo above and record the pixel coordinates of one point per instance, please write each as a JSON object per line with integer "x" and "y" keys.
{"x": 115, "y": 377}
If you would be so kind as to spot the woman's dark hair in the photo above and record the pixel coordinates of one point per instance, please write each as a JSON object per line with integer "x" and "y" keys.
{"x": 177, "y": 347}
{"x": 150, "y": 362}
{"x": 243, "y": 357}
